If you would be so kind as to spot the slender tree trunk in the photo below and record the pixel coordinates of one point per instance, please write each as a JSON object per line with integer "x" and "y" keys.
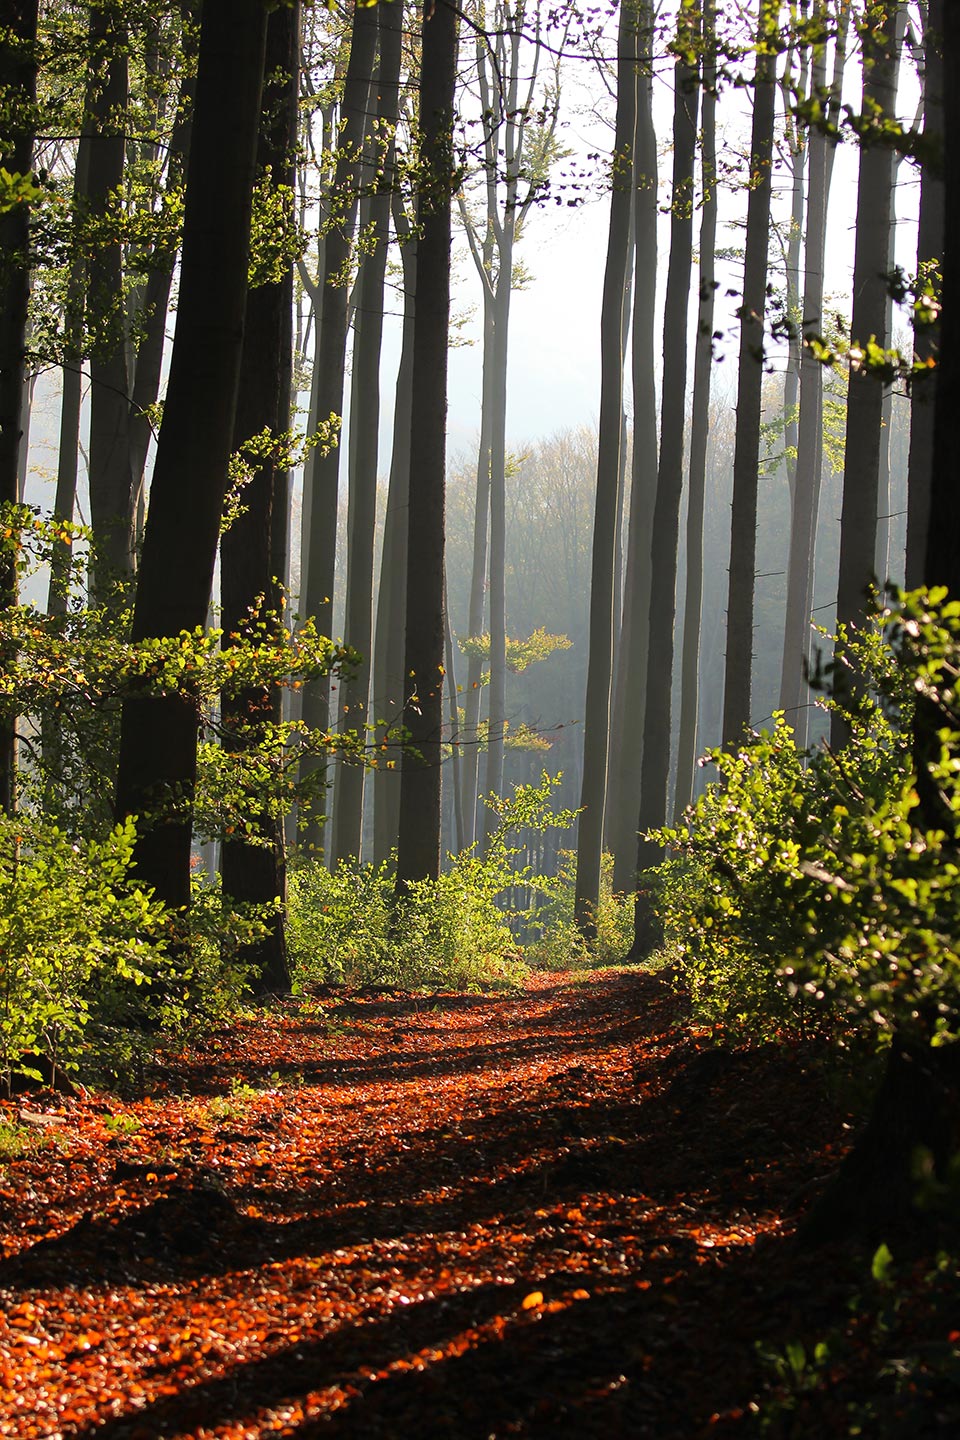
{"x": 805, "y": 499}
{"x": 666, "y": 516}
{"x": 623, "y": 798}
{"x": 255, "y": 873}
{"x": 111, "y": 488}
{"x": 364, "y": 431}
{"x": 497, "y": 690}
{"x": 418, "y": 855}
{"x": 389, "y": 690}
{"x": 746, "y": 460}
{"x": 156, "y": 304}
{"x": 322, "y": 473}
{"x": 600, "y": 654}
{"x": 158, "y": 745}
{"x": 858, "y": 519}
{"x": 454, "y": 711}
{"x": 699, "y": 431}
{"x": 71, "y": 400}
{"x": 797, "y": 145}
{"x": 925, "y": 341}
{"x": 18, "y": 75}
{"x": 470, "y": 769}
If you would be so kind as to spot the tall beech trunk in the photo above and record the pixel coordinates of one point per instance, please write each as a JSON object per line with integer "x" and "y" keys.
{"x": 666, "y": 515}
{"x": 925, "y": 339}
{"x": 508, "y": 115}
{"x": 364, "y": 435}
{"x": 322, "y": 475}
{"x": 18, "y": 76}
{"x": 148, "y": 367}
{"x": 158, "y": 742}
{"x": 805, "y": 499}
{"x": 623, "y": 798}
{"x": 600, "y": 654}
{"x": 797, "y": 146}
{"x": 389, "y": 690}
{"x": 858, "y": 517}
{"x": 699, "y": 430}
{"x": 111, "y": 485}
{"x": 418, "y": 852}
{"x": 253, "y": 867}
{"x": 738, "y": 669}
{"x": 470, "y": 768}
{"x": 71, "y": 399}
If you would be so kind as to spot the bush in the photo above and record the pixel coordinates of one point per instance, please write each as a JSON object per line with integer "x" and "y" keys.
{"x": 349, "y": 925}
{"x": 811, "y": 888}
{"x": 77, "y": 940}
{"x": 559, "y": 945}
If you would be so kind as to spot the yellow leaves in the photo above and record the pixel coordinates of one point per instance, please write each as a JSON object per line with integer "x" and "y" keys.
{"x": 531, "y": 1301}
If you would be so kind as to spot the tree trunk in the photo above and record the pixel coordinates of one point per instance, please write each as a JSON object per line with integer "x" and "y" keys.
{"x": 255, "y": 873}
{"x": 858, "y": 518}
{"x": 630, "y": 686}
{"x": 389, "y": 690}
{"x": 158, "y": 745}
{"x": 600, "y": 653}
{"x": 746, "y": 460}
{"x": 666, "y": 516}
{"x": 156, "y": 304}
{"x": 18, "y": 75}
{"x": 925, "y": 340}
{"x": 71, "y": 400}
{"x": 364, "y": 437}
{"x": 805, "y": 499}
{"x": 111, "y": 487}
{"x": 699, "y": 432}
{"x": 323, "y": 470}
{"x": 418, "y": 855}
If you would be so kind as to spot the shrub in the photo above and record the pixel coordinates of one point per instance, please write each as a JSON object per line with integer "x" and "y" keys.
{"x": 77, "y": 939}
{"x": 809, "y": 887}
{"x": 558, "y": 943}
{"x": 348, "y": 925}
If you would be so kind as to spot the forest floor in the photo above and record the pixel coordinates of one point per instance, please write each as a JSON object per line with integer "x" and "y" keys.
{"x": 562, "y": 1213}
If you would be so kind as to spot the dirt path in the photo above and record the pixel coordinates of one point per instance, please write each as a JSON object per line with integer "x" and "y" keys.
{"x": 388, "y": 1215}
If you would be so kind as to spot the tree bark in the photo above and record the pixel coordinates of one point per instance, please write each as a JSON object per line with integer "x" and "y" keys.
{"x": 111, "y": 486}
{"x": 805, "y": 499}
{"x": 925, "y": 340}
{"x": 18, "y": 75}
{"x": 253, "y": 868}
{"x": 323, "y": 470}
{"x": 158, "y": 744}
{"x": 600, "y": 653}
{"x": 746, "y": 460}
{"x": 364, "y": 436}
{"x": 629, "y": 696}
{"x": 418, "y": 855}
{"x": 666, "y": 516}
{"x": 699, "y": 430}
{"x": 858, "y": 518}
{"x": 389, "y": 688}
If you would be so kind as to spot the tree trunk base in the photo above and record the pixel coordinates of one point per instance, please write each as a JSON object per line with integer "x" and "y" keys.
{"x": 884, "y": 1185}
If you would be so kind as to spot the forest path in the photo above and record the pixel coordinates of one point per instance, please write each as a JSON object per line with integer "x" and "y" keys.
{"x": 384, "y": 1214}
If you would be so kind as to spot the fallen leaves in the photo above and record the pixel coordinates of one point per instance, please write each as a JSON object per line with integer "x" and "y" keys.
{"x": 462, "y": 1216}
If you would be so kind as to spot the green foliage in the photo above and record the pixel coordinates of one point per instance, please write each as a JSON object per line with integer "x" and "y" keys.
{"x": 520, "y": 653}
{"x": 884, "y": 1370}
{"x": 77, "y": 939}
{"x": 809, "y": 888}
{"x": 559, "y": 943}
{"x": 350, "y": 925}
